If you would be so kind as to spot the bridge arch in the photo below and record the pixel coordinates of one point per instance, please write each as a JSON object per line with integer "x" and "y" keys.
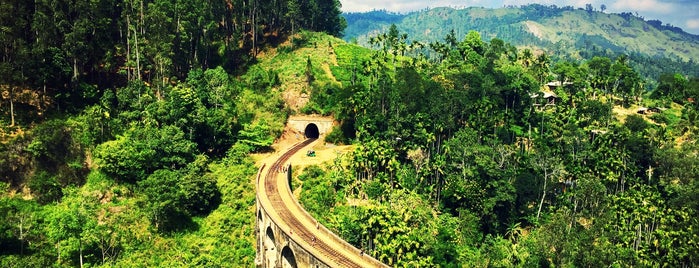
{"x": 270, "y": 248}
{"x": 311, "y": 131}
{"x": 260, "y": 227}
{"x": 288, "y": 258}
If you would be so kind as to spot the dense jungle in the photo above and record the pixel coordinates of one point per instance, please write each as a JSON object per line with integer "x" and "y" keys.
{"x": 129, "y": 132}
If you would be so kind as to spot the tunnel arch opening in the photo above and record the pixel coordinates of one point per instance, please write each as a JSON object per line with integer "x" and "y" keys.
{"x": 311, "y": 131}
{"x": 288, "y": 258}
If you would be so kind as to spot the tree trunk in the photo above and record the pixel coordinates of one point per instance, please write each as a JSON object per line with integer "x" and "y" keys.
{"x": 138, "y": 59}
{"x": 254, "y": 30}
{"x": 138, "y": 56}
{"x": 43, "y": 98}
{"x": 12, "y": 106}
{"x": 21, "y": 236}
{"x": 80, "y": 250}
{"x": 75, "y": 68}
{"x": 104, "y": 253}
{"x": 543, "y": 196}
{"x": 128, "y": 47}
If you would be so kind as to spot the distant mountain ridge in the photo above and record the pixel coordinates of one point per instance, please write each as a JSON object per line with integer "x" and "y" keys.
{"x": 566, "y": 31}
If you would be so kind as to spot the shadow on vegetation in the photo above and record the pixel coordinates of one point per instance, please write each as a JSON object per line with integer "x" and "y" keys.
{"x": 178, "y": 223}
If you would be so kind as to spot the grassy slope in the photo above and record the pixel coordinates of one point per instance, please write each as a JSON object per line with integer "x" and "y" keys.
{"x": 289, "y": 61}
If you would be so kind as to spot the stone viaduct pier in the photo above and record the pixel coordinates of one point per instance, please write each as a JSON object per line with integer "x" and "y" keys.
{"x": 287, "y": 236}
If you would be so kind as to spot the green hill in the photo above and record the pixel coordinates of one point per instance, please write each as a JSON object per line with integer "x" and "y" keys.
{"x": 135, "y": 149}
{"x": 568, "y": 32}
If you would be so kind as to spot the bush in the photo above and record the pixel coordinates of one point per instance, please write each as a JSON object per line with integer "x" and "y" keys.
{"x": 51, "y": 144}
{"x": 174, "y": 196}
{"x": 636, "y": 123}
{"x": 45, "y": 188}
{"x": 317, "y": 195}
{"x": 140, "y": 151}
{"x": 336, "y": 136}
{"x": 660, "y": 118}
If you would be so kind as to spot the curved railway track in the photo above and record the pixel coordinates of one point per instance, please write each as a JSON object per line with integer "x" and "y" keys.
{"x": 341, "y": 253}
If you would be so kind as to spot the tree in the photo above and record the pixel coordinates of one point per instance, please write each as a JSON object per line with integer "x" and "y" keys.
{"x": 328, "y": 18}
{"x": 600, "y": 70}
{"x": 256, "y": 134}
{"x": 15, "y": 48}
{"x": 67, "y": 224}
{"x": 318, "y": 194}
{"x": 671, "y": 86}
{"x": 22, "y": 220}
{"x": 541, "y": 68}
{"x": 293, "y": 14}
{"x": 472, "y": 42}
{"x": 174, "y": 196}
{"x": 53, "y": 147}
{"x": 527, "y": 57}
{"x": 627, "y": 82}
{"x": 140, "y": 151}
{"x": 550, "y": 168}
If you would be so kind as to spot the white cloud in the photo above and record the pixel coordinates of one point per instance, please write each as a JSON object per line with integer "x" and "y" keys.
{"x": 407, "y": 5}
{"x": 524, "y": 2}
{"x": 644, "y": 5}
{"x": 692, "y": 24}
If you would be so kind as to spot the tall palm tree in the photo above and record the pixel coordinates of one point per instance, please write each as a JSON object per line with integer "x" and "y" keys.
{"x": 541, "y": 67}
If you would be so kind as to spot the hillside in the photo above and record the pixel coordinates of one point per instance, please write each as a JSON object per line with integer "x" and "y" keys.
{"x": 563, "y": 31}
{"x": 140, "y": 149}
{"x": 187, "y": 190}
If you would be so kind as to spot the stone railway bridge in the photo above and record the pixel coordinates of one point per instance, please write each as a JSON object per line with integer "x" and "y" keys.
{"x": 287, "y": 236}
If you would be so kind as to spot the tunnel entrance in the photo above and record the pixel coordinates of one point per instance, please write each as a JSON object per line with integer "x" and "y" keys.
{"x": 311, "y": 131}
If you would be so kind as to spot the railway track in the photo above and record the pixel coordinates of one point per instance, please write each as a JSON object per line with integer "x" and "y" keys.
{"x": 332, "y": 247}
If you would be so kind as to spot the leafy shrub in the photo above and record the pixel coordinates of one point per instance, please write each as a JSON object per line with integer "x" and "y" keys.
{"x": 51, "y": 144}
{"x": 257, "y": 134}
{"x": 635, "y": 123}
{"x": 176, "y": 195}
{"x": 336, "y": 136}
{"x": 45, "y": 188}
{"x": 318, "y": 195}
{"x": 659, "y": 118}
{"x": 141, "y": 151}
{"x": 284, "y": 49}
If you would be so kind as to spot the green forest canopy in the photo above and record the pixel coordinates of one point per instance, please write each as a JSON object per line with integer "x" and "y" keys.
{"x": 563, "y": 32}
{"x": 140, "y": 155}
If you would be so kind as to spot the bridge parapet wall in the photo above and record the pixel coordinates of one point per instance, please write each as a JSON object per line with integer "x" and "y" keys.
{"x": 287, "y": 235}
{"x": 275, "y": 238}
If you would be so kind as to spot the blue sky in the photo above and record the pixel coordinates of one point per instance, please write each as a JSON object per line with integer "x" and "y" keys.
{"x": 680, "y": 13}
